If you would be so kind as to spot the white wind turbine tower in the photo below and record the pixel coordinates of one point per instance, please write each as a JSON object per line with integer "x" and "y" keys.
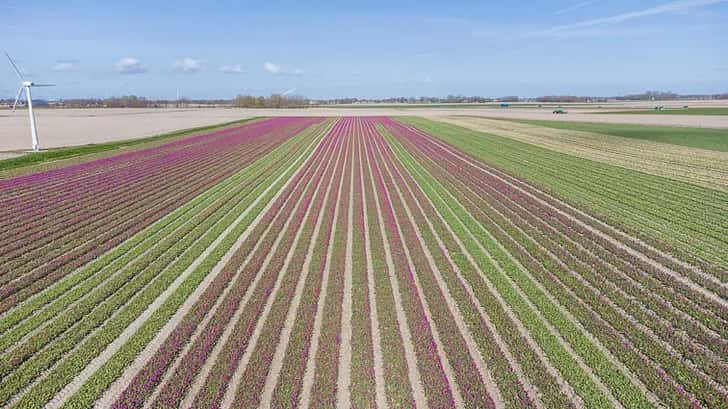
{"x": 27, "y": 85}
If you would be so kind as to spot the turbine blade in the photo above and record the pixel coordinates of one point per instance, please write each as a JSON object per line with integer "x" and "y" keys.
{"x": 15, "y": 67}
{"x": 43, "y": 85}
{"x": 17, "y": 97}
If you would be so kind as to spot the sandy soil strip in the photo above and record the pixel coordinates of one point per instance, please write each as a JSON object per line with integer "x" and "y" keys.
{"x": 381, "y": 398}
{"x": 230, "y": 393}
{"x": 684, "y": 280}
{"x": 277, "y": 362}
{"x": 569, "y": 316}
{"x": 202, "y": 375}
{"x": 343, "y": 394}
{"x": 418, "y": 391}
{"x": 118, "y": 386}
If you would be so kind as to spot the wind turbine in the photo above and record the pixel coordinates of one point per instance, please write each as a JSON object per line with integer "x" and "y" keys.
{"x": 27, "y": 85}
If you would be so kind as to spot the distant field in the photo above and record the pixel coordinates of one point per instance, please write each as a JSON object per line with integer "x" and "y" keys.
{"x": 458, "y": 105}
{"x": 676, "y": 111}
{"x": 700, "y": 166}
{"x": 77, "y": 127}
{"x": 410, "y": 106}
{"x": 360, "y": 262}
{"x": 704, "y": 138}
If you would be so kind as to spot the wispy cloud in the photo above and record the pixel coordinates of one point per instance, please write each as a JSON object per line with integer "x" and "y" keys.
{"x": 680, "y": 5}
{"x": 188, "y": 65}
{"x": 601, "y": 32}
{"x": 288, "y": 92}
{"x": 233, "y": 69}
{"x": 130, "y": 65}
{"x": 65, "y": 65}
{"x": 575, "y": 7}
{"x": 274, "y": 68}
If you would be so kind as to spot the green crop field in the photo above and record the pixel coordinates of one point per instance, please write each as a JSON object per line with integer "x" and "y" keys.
{"x": 675, "y": 111}
{"x": 703, "y": 138}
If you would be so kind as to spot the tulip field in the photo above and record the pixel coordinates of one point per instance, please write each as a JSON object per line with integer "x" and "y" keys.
{"x": 358, "y": 262}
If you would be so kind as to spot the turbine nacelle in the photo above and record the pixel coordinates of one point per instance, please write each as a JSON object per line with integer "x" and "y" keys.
{"x": 35, "y": 84}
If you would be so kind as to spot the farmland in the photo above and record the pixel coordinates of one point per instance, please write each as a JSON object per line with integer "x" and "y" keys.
{"x": 679, "y": 111}
{"x": 369, "y": 262}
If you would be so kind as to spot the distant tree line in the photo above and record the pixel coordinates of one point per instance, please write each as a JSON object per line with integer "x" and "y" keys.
{"x": 649, "y": 96}
{"x": 273, "y": 101}
{"x": 296, "y": 101}
{"x": 568, "y": 98}
{"x": 133, "y": 101}
{"x": 450, "y": 99}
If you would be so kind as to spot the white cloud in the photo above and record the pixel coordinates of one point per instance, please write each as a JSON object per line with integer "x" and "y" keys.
{"x": 188, "y": 65}
{"x": 65, "y": 65}
{"x": 130, "y": 65}
{"x": 233, "y": 69}
{"x": 288, "y": 92}
{"x": 680, "y": 5}
{"x": 278, "y": 69}
{"x": 272, "y": 68}
{"x": 427, "y": 80}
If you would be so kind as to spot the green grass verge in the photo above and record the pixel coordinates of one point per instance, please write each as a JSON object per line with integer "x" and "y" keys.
{"x": 689, "y": 218}
{"x": 56, "y": 154}
{"x": 703, "y": 138}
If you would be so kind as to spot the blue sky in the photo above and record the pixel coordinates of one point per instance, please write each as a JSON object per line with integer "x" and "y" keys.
{"x": 324, "y": 49}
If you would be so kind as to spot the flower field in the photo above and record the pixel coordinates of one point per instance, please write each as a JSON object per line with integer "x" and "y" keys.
{"x": 346, "y": 262}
